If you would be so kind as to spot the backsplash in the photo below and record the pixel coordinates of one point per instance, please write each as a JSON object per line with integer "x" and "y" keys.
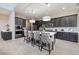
{"x": 65, "y": 29}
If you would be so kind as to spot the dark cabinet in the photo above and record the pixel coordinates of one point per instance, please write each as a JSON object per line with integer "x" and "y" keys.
{"x": 23, "y": 23}
{"x": 6, "y": 35}
{"x": 59, "y": 35}
{"x": 66, "y": 21}
{"x": 73, "y": 37}
{"x": 69, "y": 36}
{"x": 37, "y": 24}
{"x": 57, "y": 22}
{"x": 20, "y": 21}
{"x": 70, "y": 21}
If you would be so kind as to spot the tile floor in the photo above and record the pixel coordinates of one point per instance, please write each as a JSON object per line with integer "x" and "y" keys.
{"x": 19, "y": 47}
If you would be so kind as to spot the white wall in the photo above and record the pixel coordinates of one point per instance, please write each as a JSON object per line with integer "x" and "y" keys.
{"x": 78, "y": 25}
{"x": 12, "y": 24}
{"x": 3, "y": 21}
{"x": 27, "y": 24}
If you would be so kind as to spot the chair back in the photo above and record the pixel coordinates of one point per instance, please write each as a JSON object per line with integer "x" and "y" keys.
{"x": 48, "y": 37}
{"x": 36, "y": 35}
{"x": 45, "y": 37}
{"x": 25, "y": 32}
{"x": 30, "y": 34}
{"x": 52, "y": 36}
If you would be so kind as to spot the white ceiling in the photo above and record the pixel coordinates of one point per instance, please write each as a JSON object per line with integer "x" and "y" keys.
{"x": 5, "y": 8}
{"x": 38, "y": 10}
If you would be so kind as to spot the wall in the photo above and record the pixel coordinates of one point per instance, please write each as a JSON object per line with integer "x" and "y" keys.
{"x": 12, "y": 23}
{"x": 78, "y": 25}
{"x": 27, "y": 24}
{"x": 3, "y": 21}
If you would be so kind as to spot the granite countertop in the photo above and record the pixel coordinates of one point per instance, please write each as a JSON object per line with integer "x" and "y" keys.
{"x": 61, "y": 31}
{"x": 5, "y": 31}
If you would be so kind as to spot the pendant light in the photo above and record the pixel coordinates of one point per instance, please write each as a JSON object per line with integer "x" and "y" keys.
{"x": 46, "y": 18}
{"x": 32, "y": 21}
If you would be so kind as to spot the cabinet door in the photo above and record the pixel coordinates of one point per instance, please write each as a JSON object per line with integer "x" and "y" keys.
{"x": 73, "y": 20}
{"x": 57, "y": 22}
{"x": 59, "y": 35}
{"x": 53, "y": 22}
{"x": 73, "y": 37}
{"x": 66, "y": 22}
{"x": 66, "y": 37}
{"x": 63, "y": 22}
{"x": 18, "y": 21}
{"x": 70, "y": 21}
{"x": 24, "y": 23}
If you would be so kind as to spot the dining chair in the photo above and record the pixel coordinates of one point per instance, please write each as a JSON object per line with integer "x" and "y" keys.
{"x": 37, "y": 38}
{"x": 25, "y": 35}
{"x": 47, "y": 42}
{"x": 31, "y": 37}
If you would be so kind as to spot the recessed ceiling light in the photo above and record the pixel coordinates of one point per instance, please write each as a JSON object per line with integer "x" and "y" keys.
{"x": 32, "y": 21}
{"x": 63, "y": 8}
{"x": 46, "y": 18}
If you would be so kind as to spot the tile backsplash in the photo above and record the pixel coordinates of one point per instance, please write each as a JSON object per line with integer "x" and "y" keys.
{"x": 65, "y": 29}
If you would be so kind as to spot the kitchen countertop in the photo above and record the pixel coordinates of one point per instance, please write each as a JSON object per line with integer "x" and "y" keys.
{"x": 61, "y": 31}
{"x": 5, "y": 31}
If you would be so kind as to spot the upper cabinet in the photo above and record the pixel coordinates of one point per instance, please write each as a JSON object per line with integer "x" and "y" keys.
{"x": 20, "y": 22}
{"x": 66, "y": 21}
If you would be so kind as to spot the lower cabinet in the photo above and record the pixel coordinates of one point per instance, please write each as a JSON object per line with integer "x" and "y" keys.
{"x": 6, "y": 35}
{"x": 69, "y": 36}
{"x": 73, "y": 37}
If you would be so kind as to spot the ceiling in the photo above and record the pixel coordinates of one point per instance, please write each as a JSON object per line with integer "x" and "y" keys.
{"x": 38, "y": 10}
{"x": 5, "y": 8}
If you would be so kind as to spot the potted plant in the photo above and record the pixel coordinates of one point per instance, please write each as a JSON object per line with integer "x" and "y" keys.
{"x": 7, "y": 27}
